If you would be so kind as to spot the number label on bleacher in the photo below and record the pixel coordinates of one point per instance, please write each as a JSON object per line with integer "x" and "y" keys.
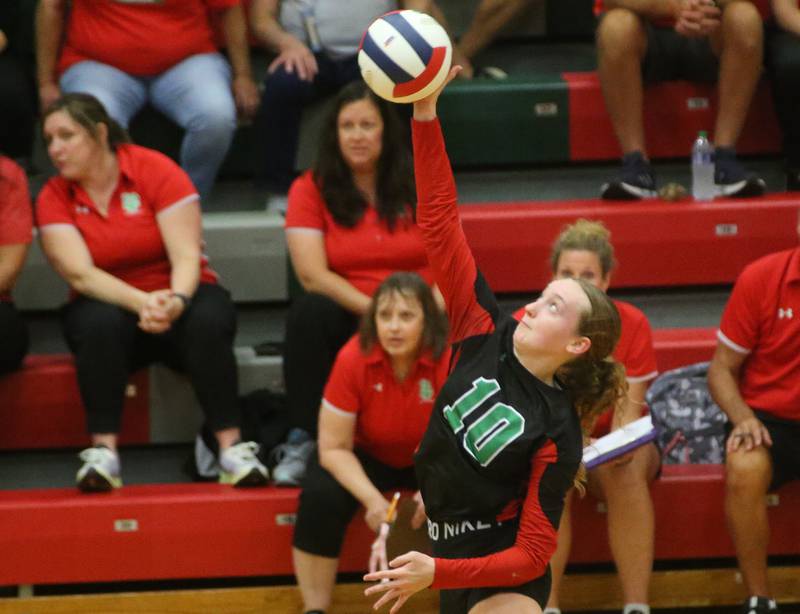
{"x": 545, "y": 109}
{"x": 283, "y": 520}
{"x": 696, "y": 103}
{"x": 726, "y": 230}
{"x": 126, "y": 525}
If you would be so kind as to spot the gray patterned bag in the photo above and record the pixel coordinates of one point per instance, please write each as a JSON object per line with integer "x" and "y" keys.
{"x": 691, "y": 427}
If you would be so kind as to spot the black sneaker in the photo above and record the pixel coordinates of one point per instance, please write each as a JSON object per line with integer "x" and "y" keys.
{"x": 636, "y": 180}
{"x": 730, "y": 177}
{"x": 759, "y": 605}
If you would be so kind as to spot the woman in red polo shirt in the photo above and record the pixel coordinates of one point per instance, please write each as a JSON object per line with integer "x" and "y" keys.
{"x": 375, "y": 409}
{"x": 349, "y": 224}
{"x": 583, "y": 250}
{"x": 121, "y": 224}
{"x": 16, "y": 223}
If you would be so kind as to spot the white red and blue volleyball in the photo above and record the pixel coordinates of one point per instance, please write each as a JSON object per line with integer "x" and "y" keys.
{"x": 404, "y": 56}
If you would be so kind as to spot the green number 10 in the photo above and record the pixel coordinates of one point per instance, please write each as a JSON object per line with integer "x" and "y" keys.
{"x": 487, "y": 436}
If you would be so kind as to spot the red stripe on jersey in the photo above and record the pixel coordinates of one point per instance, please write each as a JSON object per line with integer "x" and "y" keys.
{"x": 526, "y": 559}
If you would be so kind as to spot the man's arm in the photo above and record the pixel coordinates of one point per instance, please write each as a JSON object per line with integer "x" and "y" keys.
{"x": 244, "y": 88}
{"x": 787, "y": 15}
{"x": 50, "y": 16}
{"x": 292, "y": 52}
{"x": 723, "y": 383}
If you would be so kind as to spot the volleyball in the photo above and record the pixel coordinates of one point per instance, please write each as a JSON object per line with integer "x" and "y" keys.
{"x": 404, "y": 56}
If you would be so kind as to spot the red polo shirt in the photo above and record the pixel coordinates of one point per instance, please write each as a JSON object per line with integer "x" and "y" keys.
{"x": 16, "y": 215}
{"x": 126, "y": 243}
{"x": 634, "y": 351}
{"x": 762, "y": 320}
{"x": 365, "y": 254}
{"x": 142, "y": 38}
{"x": 391, "y": 416}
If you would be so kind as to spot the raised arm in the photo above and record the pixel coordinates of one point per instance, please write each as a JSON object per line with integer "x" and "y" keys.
{"x": 471, "y": 307}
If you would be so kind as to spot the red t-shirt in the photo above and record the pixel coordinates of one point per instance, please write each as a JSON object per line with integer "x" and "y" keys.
{"x": 142, "y": 38}
{"x": 391, "y": 416}
{"x": 762, "y": 320}
{"x": 763, "y": 7}
{"x": 128, "y": 242}
{"x": 16, "y": 215}
{"x": 365, "y": 254}
{"x": 634, "y": 351}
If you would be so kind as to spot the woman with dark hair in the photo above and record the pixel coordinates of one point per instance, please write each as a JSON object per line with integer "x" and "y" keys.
{"x": 121, "y": 224}
{"x": 349, "y": 224}
{"x": 16, "y": 224}
{"x": 504, "y": 442}
{"x": 375, "y": 408}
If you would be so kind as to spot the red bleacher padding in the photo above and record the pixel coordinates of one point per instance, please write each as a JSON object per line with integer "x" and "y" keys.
{"x": 690, "y": 521}
{"x": 677, "y": 347}
{"x": 40, "y": 406}
{"x": 673, "y": 114}
{"x": 657, "y": 243}
{"x": 208, "y": 531}
{"x": 154, "y": 532}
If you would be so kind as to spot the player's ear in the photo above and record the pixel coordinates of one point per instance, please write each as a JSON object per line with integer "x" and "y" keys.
{"x": 579, "y": 345}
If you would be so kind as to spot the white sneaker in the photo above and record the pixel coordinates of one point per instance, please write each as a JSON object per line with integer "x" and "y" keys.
{"x": 100, "y": 470}
{"x": 239, "y": 466}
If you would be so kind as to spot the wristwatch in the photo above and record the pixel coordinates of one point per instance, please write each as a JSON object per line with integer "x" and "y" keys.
{"x": 184, "y": 298}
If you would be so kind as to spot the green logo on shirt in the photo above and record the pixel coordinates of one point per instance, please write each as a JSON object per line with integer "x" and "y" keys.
{"x": 131, "y": 203}
{"x": 425, "y": 390}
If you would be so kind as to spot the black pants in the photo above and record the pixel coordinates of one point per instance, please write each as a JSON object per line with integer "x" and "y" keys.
{"x": 13, "y": 338}
{"x": 18, "y": 107}
{"x": 108, "y": 346}
{"x": 783, "y": 65}
{"x": 327, "y": 507}
{"x": 316, "y": 329}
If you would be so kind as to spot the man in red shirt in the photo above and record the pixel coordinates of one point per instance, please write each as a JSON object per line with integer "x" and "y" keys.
{"x": 159, "y": 51}
{"x": 646, "y": 41}
{"x": 754, "y": 377}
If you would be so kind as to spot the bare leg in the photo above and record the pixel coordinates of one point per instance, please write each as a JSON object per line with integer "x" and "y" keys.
{"x": 507, "y": 603}
{"x": 227, "y": 437}
{"x": 747, "y": 478}
{"x": 109, "y": 440}
{"x": 316, "y": 577}
{"x": 489, "y": 19}
{"x": 560, "y": 557}
{"x": 739, "y": 44}
{"x": 621, "y": 46}
{"x": 631, "y": 520}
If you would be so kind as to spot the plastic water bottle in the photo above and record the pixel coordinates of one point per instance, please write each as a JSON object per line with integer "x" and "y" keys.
{"x": 703, "y": 168}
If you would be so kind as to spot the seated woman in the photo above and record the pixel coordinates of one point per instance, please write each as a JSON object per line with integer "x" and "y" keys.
{"x": 583, "y": 251}
{"x": 16, "y": 224}
{"x": 349, "y": 224}
{"x": 121, "y": 224}
{"x": 375, "y": 409}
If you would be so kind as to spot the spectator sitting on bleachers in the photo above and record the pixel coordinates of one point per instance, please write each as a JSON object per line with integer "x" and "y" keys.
{"x": 349, "y": 225}
{"x": 16, "y": 224}
{"x": 17, "y": 90}
{"x": 783, "y": 63}
{"x": 129, "y": 53}
{"x": 121, "y": 224}
{"x": 755, "y": 378}
{"x": 375, "y": 409}
{"x": 697, "y": 40}
{"x": 583, "y": 250}
{"x": 312, "y": 62}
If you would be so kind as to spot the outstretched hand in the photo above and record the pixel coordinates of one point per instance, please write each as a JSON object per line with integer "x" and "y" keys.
{"x": 409, "y": 573}
{"x": 425, "y": 109}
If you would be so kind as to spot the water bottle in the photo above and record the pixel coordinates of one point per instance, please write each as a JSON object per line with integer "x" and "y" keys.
{"x": 703, "y": 168}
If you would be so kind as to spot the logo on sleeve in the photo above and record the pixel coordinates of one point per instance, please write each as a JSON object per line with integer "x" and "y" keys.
{"x": 785, "y": 313}
{"x": 131, "y": 203}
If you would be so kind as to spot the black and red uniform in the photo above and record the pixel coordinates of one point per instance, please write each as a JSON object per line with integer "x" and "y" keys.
{"x": 502, "y": 447}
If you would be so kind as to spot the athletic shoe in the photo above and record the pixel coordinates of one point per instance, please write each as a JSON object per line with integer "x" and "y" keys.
{"x": 730, "y": 177}
{"x": 291, "y": 458}
{"x": 636, "y": 180}
{"x": 759, "y": 605}
{"x": 239, "y": 466}
{"x": 100, "y": 470}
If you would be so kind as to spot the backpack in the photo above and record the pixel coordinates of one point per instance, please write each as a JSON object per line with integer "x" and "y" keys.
{"x": 690, "y": 426}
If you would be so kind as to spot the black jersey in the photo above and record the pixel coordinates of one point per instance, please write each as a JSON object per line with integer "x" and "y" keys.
{"x": 496, "y": 431}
